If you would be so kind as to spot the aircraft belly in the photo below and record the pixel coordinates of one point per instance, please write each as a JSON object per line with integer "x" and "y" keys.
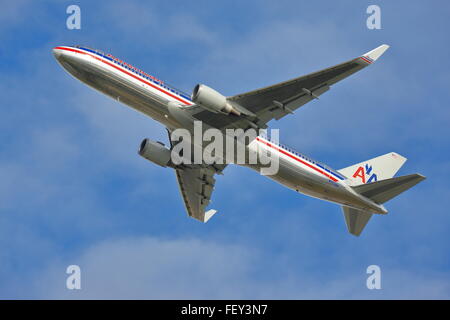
{"x": 303, "y": 181}
{"x": 306, "y": 182}
{"x": 134, "y": 95}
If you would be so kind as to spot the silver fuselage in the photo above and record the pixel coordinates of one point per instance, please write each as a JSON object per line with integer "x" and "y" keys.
{"x": 152, "y": 97}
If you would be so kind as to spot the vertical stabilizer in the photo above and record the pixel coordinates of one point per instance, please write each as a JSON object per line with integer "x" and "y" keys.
{"x": 376, "y": 169}
{"x": 356, "y": 220}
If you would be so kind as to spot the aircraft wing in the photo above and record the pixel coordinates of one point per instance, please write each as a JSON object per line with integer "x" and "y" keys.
{"x": 283, "y": 98}
{"x": 196, "y": 186}
{"x": 276, "y": 101}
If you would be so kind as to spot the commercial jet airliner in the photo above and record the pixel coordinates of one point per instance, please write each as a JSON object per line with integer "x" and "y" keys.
{"x": 360, "y": 189}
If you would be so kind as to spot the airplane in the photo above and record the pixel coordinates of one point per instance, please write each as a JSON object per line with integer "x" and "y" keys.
{"x": 361, "y": 189}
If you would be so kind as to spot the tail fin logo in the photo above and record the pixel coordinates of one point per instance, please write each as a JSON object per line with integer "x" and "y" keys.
{"x": 365, "y": 174}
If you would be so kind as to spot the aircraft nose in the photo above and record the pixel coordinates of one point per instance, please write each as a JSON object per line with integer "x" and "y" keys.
{"x": 56, "y": 53}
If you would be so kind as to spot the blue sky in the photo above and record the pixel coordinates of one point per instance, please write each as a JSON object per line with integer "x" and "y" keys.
{"x": 74, "y": 191}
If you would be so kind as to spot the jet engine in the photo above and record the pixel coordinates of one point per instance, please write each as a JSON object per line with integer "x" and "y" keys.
{"x": 155, "y": 152}
{"x": 211, "y": 100}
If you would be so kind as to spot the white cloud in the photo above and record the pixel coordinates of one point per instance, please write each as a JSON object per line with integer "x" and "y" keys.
{"x": 149, "y": 268}
{"x": 154, "y": 268}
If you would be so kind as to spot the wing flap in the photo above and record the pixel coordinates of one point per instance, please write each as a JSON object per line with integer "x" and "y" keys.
{"x": 289, "y": 106}
{"x": 196, "y": 186}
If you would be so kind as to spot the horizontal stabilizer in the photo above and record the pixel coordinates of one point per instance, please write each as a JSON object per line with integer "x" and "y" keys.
{"x": 385, "y": 190}
{"x": 356, "y": 220}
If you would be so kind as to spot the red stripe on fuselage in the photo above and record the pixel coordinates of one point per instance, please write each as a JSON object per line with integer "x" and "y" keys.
{"x": 297, "y": 159}
{"x": 126, "y": 72}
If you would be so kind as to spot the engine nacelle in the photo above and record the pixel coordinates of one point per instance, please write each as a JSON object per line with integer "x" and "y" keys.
{"x": 155, "y": 152}
{"x": 211, "y": 100}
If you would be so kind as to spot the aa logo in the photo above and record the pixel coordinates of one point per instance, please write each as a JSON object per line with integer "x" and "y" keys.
{"x": 365, "y": 174}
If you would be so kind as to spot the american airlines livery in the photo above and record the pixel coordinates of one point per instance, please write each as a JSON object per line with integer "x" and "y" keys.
{"x": 360, "y": 189}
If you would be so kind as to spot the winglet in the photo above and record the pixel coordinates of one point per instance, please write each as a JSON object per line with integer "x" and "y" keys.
{"x": 209, "y": 214}
{"x": 372, "y": 56}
